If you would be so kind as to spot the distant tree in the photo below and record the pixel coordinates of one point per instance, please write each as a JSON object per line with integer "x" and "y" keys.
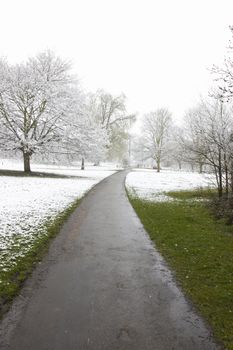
{"x": 110, "y": 112}
{"x": 119, "y": 145}
{"x": 156, "y": 128}
{"x": 34, "y": 98}
{"x": 139, "y": 150}
{"x": 177, "y": 152}
{"x": 83, "y": 137}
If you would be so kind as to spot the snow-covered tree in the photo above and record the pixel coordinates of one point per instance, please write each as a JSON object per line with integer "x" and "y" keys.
{"x": 208, "y": 139}
{"x": 156, "y": 128}
{"x": 85, "y": 138}
{"x": 139, "y": 151}
{"x": 177, "y": 155}
{"x": 224, "y": 74}
{"x": 34, "y": 98}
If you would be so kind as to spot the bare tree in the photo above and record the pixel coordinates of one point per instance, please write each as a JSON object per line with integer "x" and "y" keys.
{"x": 176, "y": 150}
{"x": 156, "y": 127}
{"x": 109, "y": 110}
{"x": 207, "y": 139}
{"x": 34, "y": 97}
{"x": 224, "y": 74}
{"x": 111, "y": 113}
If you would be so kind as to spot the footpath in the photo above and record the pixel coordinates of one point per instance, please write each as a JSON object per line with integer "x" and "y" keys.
{"x": 103, "y": 286}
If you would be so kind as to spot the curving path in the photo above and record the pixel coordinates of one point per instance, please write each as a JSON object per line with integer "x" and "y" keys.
{"x": 103, "y": 286}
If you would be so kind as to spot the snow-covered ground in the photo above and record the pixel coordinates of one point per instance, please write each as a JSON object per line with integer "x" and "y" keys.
{"x": 72, "y": 170}
{"x": 26, "y": 203}
{"x": 150, "y": 185}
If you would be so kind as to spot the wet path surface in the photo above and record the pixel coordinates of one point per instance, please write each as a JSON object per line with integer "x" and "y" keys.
{"x": 103, "y": 286}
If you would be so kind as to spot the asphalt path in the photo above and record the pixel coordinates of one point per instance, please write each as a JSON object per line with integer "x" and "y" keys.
{"x": 103, "y": 286}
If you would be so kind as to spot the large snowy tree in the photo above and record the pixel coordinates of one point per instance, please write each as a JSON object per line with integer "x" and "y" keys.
{"x": 34, "y": 98}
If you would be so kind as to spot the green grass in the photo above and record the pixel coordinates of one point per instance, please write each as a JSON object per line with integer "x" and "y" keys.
{"x": 11, "y": 279}
{"x": 199, "y": 193}
{"x": 199, "y": 250}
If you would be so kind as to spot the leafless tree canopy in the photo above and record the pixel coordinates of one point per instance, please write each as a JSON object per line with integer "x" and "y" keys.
{"x": 208, "y": 139}
{"x": 156, "y": 129}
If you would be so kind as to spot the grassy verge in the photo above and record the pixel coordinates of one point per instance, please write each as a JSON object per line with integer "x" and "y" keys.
{"x": 199, "y": 193}
{"x": 12, "y": 278}
{"x": 200, "y": 251}
{"x": 20, "y": 173}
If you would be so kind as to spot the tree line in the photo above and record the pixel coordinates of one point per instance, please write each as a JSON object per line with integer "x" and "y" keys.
{"x": 43, "y": 110}
{"x": 205, "y": 138}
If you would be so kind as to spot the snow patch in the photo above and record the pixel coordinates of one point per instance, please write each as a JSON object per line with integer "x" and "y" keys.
{"x": 28, "y": 202}
{"x": 150, "y": 185}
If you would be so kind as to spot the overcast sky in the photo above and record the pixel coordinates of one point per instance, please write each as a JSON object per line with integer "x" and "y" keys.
{"x": 155, "y": 51}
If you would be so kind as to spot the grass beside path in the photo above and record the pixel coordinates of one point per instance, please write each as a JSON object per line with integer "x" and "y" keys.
{"x": 20, "y": 173}
{"x": 199, "y": 249}
{"x": 12, "y": 277}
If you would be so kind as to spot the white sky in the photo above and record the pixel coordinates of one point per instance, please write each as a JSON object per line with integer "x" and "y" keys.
{"x": 155, "y": 51}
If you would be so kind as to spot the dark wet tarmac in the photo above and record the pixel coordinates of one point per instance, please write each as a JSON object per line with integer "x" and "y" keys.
{"x": 103, "y": 286}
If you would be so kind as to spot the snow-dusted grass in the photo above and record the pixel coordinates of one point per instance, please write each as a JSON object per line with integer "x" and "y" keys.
{"x": 71, "y": 170}
{"x": 150, "y": 185}
{"x": 32, "y": 210}
{"x": 27, "y": 203}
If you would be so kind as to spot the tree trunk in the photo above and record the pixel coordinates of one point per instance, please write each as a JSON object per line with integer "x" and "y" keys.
{"x": 26, "y": 162}
{"x": 220, "y": 175}
{"x": 83, "y": 164}
{"x": 216, "y": 176}
{"x": 200, "y": 168}
{"x": 226, "y": 175}
{"x": 158, "y": 166}
{"x": 231, "y": 177}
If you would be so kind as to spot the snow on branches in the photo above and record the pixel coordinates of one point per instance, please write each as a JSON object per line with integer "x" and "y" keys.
{"x": 43, "y": 108}
{"x": 225, "y": 74}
